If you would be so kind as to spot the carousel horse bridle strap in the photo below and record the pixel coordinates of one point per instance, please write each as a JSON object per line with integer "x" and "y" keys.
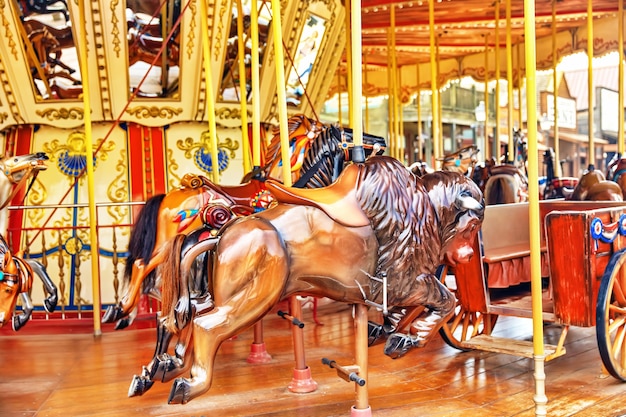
{"x": 22, "y": 181}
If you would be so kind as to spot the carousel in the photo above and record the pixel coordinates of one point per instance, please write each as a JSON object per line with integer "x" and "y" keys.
{"x": 229, "y": 197}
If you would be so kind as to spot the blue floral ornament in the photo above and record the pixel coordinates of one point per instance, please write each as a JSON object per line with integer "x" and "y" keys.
{"x": 203, "y": 160}
{"x": 596, "y": 228}
{"x": 622, "y": 225}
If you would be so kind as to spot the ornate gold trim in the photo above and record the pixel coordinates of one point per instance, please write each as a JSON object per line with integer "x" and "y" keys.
{"x": 6, "y": 32}
{"x": 154, "y": 111}
{"x": 115, "y": 31}
{"x": 74, "y": 113}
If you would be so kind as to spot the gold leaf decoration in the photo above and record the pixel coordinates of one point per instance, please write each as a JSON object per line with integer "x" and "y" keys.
{"x": 52, "y": 114}
{"x": 144, "y": 112}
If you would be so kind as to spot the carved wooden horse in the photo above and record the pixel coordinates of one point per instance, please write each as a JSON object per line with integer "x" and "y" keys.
{"x": 15, "y": 172}
{"x": 30, "y": 7}
{"x": 384, "y": 229}
{"x": 594, "y": 186}
{"x": 556, "y": 187}
{"x": 616, "y": 171}
{"x": 461, "y": 161}
{"x": 328, "y": 150}
{"x": 508, "y": 183}
{"x": 16, "y": 279}
{"x": 48, "y": 53}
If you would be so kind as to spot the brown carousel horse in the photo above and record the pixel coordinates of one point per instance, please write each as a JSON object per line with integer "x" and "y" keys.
{"x": 48, "y": 53}
{"x": 462, "y": 161}
{"x": 319, "y": 154}
{"x": 616, "y": 171}
{"x": 30, "y": 7}
{"x": 508, "y": 183}
{"x": 16, "y": 280}
{"x": 384, "y": 229}
{"x": 594, "y": 187}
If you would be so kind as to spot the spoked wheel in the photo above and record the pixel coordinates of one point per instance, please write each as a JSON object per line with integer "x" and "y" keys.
{"x": 611, "y": 316}
{"x": 463, "y": 325}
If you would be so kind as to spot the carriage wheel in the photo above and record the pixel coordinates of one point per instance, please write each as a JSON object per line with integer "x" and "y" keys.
{"x": 611, "y": 316}
{"x": 463, "y": 325}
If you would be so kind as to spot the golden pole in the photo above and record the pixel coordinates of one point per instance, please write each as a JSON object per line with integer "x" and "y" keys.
{"x": 390, "y": 89}
{"x": 349, "y": 62}
{"x": 280, "y": 92}
{"x": 493, "y": 152}
{"x": 243, "y": 90}
{"x": 420, "y": 140}
{"x": 357, "y": 82}
{"x": 394, "y": 77}
{"x": 367, "y": 107}
{"x": 509, "y": 80}
{"x": 620, "y": 90}
{"x": 93, "y": 233}
{"x": 557, "y": 164}
{"x": 519, "y": 85}
{"x": 591, "y": 158}
{"x": 533, "y": 208}
{"x": 256, "y": 89}
{"x": 496, "y": 135}
{"x": 433, "y": 86}
{"x": 208, "y": 80}
{"x": 339, "y": 113}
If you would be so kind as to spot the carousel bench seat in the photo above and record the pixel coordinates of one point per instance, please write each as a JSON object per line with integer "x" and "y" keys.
{"x": 506, "y": 245}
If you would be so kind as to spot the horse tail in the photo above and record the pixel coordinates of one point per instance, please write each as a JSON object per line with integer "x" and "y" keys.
{"x": 176, "y": 285}
{"x": 143, "y": 238}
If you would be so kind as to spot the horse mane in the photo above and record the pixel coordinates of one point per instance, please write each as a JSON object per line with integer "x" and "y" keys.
{"x": 321, "y": 151}
{"x": 405, "y": 223}
{"x": 500, "y": 189}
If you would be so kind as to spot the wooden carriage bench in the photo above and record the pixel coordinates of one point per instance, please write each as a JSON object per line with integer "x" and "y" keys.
{"x": 505, "y": 238}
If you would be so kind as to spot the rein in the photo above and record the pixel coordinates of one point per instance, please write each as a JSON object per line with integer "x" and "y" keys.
{"x": 18, "y": 185}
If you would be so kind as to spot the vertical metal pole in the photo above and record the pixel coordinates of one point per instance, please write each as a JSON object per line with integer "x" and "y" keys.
{"x": 256, "y": 90}
{"x": 533, "y": 191}
{"x": 557, "y": 158}
{"x": 93, "y": 233}
{"x": 591, "y": 155}
{"x": 496, "y": 135}
{"x": 243, "y": 93}
{"x": 433, "y": 85}
{"x": 509, "y": 80}
{"x": 620, "y": 90}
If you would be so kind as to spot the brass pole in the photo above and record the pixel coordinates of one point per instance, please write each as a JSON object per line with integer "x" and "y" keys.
{"x": 433, "y": 86}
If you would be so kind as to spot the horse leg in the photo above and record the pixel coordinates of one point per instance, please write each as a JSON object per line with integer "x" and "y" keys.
{"x": 50, "y": 302}
{"x": 245, "y": 289}
{"x": 439, "y": 303}
{"x": 130, "y": 300}
{"x": 27, "y": 309}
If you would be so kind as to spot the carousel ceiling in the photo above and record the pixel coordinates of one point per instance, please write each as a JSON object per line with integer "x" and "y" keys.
{"x": 139, "y": 69}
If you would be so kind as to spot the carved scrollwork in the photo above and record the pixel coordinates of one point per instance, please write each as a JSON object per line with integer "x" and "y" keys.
{"x": 144, "y": 112}
{"x": 52, "y": 114}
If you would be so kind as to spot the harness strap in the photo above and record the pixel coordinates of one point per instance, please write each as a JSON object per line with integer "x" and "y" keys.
{"x": 17, "y": 187}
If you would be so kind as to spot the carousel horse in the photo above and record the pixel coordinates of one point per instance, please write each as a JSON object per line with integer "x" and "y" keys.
{"x": 145, "y": 48}
{"x": 508, "y": 183}
{"x": 556, "y": 187}
{"x": 461, "y": 161}
{"x": 324, "y": 161}
{"x": 48, "y": 53}
{"x": 63, "y": 35}
{"x": 30, "y": 7}
{"x": 318, "y": 156}
{"x": 16, "y": 279}
{"x": 385, "y": 231}
{"x": 16, "y": 171}
{"x": 616, "y": 170}
{"x": 593, "y": 186}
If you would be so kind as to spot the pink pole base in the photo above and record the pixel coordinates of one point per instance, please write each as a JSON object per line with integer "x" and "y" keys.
{"x": 302, "y": 381}
{"x": 361, "y": 412}
{"x": 258, "y": 354}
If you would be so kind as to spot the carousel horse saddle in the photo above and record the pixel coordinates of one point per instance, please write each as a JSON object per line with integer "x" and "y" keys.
{"x": 338, "y": 200}
{"x": 237, "y": 194}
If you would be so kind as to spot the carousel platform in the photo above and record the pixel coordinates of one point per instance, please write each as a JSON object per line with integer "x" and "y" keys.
{"x": 49, "y": 372}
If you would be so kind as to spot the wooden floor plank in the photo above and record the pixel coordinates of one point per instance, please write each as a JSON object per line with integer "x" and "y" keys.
{"x": 75, "y": 374}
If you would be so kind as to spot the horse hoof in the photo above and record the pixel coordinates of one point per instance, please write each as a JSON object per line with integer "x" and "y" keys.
{"x": 180, "y": 392}
{"x": 139, "y": 385}
{"x": 399, "y": 344}
{"x": 122, "y": 324}
{"x": 374, "y": 333}
{"x": 163, "y": 366}
{"x": 112, "y": 314}
{"x": 50, "y": 303}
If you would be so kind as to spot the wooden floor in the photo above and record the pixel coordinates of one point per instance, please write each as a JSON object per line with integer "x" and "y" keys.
{"x": 76, "y": 374}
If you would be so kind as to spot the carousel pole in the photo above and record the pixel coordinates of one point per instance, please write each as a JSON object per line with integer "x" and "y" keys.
{"x": 433, "y": 86}
{"x": 420, "y": 139}
{"x": 301, "y": 381}
{"x": 557, "y": 165}
{"x": 540, "y": 398}
{"x": 258, "y": 351}
{"x": 367, "y": 106}
{"x": 509, "y": 79}
{"x": 361, "y": 407}
{"x": 591, "y": 155}
{"x": 492, "y": 153}
{"x": 496, "y": 50}
{"x": 256, "y": 90}
{"x": 349, "y": 63}
{"x": 620, "y": 90}
{"x": 93, "y": 233}
{"x": 394, "y": 76}
{"x": 243, "y": 92}
{"x": 390, "y": 95}
{"x": 208, "y": 80}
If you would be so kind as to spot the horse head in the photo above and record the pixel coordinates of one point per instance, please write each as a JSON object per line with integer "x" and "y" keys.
{"x": 13, "y": 282}
{"x": 594, "y": 187}
{"x": 18, "y": 167}
{"x": 461, "y": 161}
